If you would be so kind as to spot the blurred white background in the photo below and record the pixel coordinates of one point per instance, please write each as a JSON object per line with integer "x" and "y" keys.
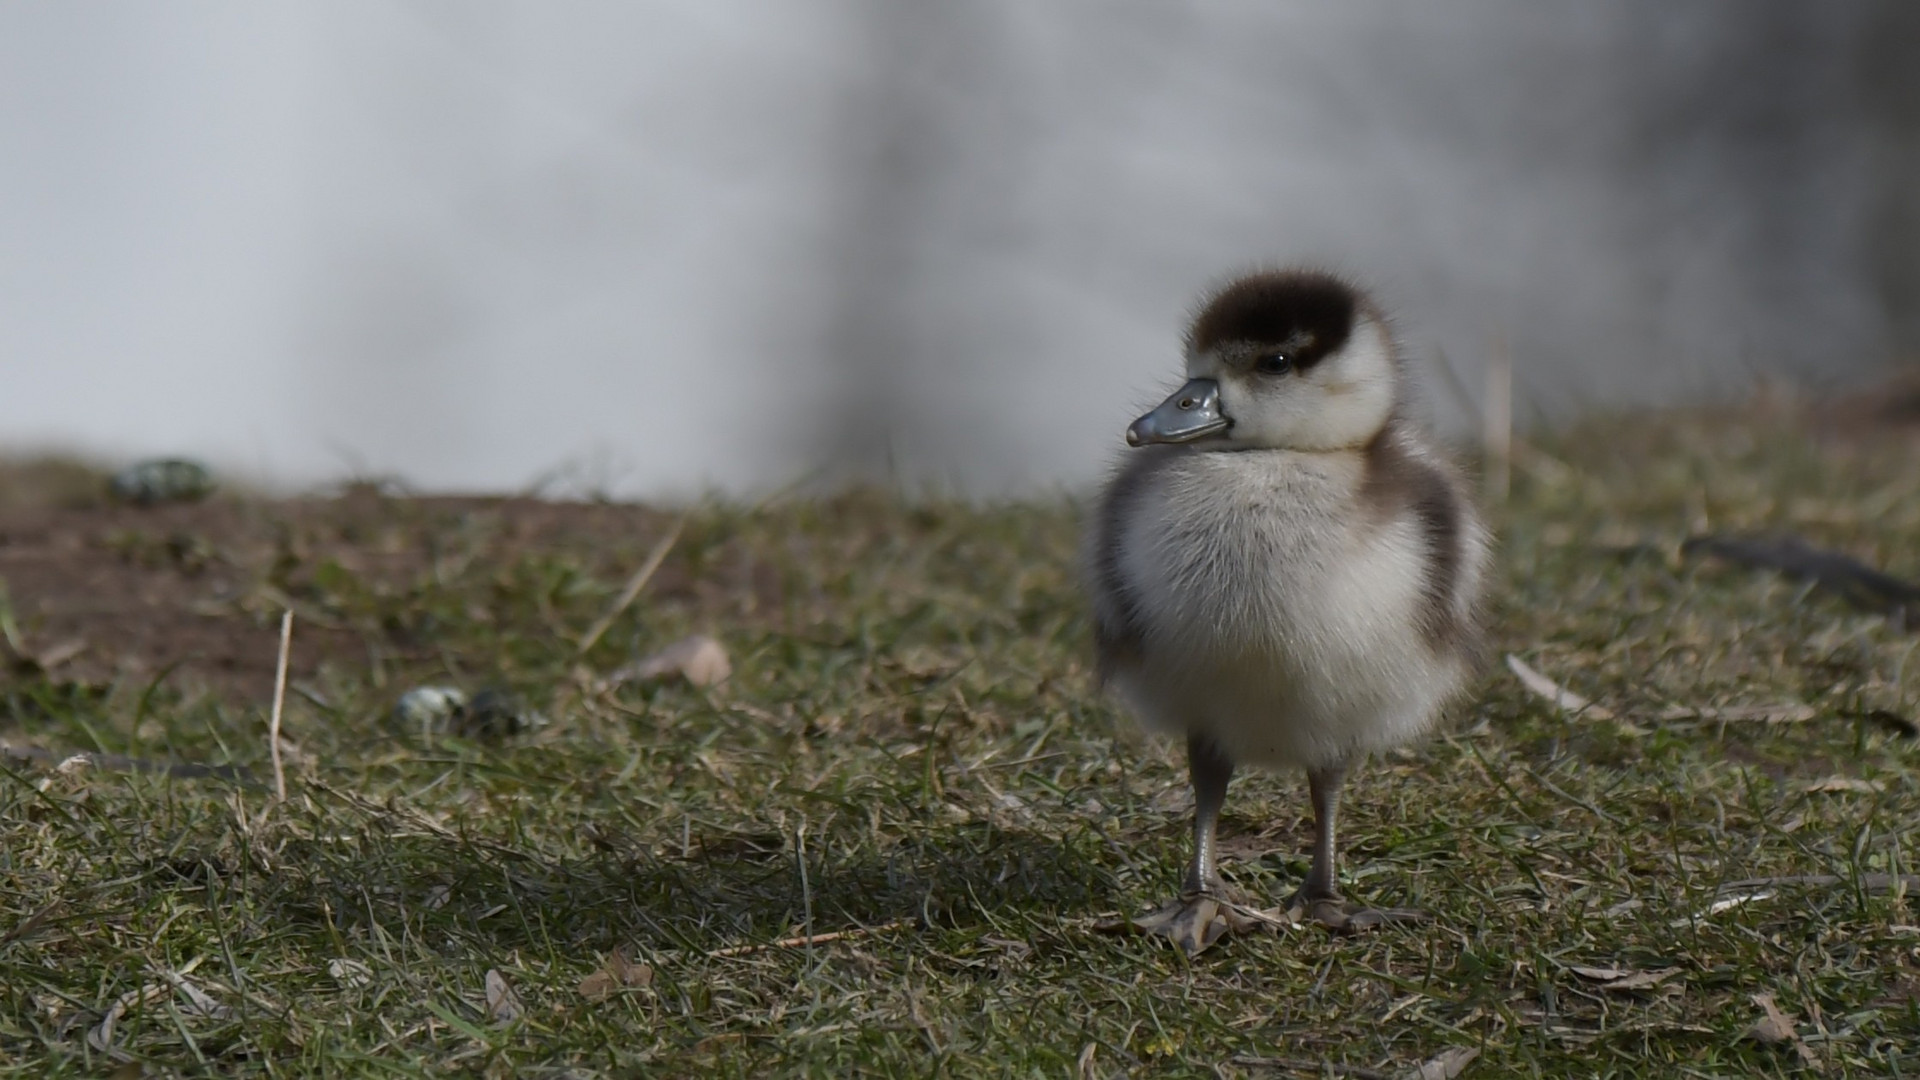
{"x": 652, "y": 248}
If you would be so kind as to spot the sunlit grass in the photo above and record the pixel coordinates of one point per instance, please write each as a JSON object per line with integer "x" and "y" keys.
{"x": 910, "y": 754}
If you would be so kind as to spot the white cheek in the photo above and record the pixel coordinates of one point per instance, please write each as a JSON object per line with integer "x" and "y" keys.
{"x": 1341, "y": 402}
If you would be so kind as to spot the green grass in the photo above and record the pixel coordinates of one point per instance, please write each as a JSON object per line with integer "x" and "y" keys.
{"x": 911, "y": 751}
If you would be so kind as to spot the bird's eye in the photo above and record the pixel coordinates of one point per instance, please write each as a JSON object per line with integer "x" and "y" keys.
{"x": 1276, "y": 364}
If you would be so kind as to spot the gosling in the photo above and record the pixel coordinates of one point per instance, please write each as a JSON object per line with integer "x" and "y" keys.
{"x": 1285, "y": 570}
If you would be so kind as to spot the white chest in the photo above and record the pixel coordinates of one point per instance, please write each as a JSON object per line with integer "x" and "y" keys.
{"x": 1276, "y": 611}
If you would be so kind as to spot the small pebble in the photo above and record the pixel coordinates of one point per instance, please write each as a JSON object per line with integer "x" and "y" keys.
{"x": 428, "y": 710}
{"x": 444, "y": 710}
{"x": 496, "y": 714}
{"x": 162, "y": 480}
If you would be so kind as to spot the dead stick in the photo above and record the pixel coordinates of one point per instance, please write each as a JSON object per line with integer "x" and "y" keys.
{"x": 808, "y": 939}
{"x": 279, "y": 702}
{"x": 634, "y": 584}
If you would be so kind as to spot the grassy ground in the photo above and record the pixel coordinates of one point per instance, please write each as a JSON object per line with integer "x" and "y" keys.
{"x": 910, "y": 754}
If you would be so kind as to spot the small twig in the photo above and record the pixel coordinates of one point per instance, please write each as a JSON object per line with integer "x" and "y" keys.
{"x": 634, "y": 584}
{"x": 279, "y": 702}
{"x": 809, "y": 940}
{"x": 1856, "y": 582}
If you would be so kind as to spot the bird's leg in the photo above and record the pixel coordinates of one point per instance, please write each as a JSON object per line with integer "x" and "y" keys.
{"x": 1200, "y": 916}
{"x": 1324, "y": 786}
{"x": 1210, "y": 771}
{"x": 1319, "y": 897}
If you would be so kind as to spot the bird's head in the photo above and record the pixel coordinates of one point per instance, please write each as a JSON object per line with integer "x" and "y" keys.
{"x": 1295, "y": 360}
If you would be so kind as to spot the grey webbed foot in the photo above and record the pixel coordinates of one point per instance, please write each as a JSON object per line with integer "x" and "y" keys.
{"x": 1198, "y": 919}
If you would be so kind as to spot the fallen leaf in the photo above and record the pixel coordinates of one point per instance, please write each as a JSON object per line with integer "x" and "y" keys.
{"x": 1561, "y": 697}
{"x": 198, "y": 1000}
{"x": 1083, "y": 1066}
{"x": 1600, "y": 974}
{"x": 1736, "y": 899}
{"x": 699, "y": 659}
{"x": 1777, "y": 1027}
{"x": 53, "y": 656}
{"x": 1014, "y": 950}
{"x": 100, "y": 1036}
{"x": 1445, "y": 1065}
{"x": 503, "y": 1005}
{"x": 351, "y": 974}
{"x": 1640, "y": 980}
{"x": 1846, "y": 783}
{"x": 1624, "y": 979}
{"x": 616, "y": 974}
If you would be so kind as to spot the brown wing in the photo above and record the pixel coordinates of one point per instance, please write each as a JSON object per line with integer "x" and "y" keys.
{"x": 1400, "y": 480}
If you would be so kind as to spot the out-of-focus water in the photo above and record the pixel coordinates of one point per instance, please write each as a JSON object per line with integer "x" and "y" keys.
{"x": 655, "y": 247}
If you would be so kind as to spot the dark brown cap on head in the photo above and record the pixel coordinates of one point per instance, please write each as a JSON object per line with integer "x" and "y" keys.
{"x": 1307, "y": 312}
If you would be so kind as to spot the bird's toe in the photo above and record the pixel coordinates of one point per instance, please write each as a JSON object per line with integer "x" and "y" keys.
{"x": 1192, "y": 922}
{"x": 1197, "y": 920}
{"x": 1342, "y": 917}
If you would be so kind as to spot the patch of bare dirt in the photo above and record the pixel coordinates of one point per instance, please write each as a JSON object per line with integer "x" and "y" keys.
{"x": 102, "y": 592}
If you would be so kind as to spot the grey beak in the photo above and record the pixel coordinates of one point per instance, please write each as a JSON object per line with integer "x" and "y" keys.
{"x": 1193, "y": 412}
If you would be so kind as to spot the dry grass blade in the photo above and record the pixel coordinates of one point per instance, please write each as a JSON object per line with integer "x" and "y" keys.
{"x": 632, "y": 590}
{"x": 279, "y": 703}
{"x": 1560, "y": 697}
